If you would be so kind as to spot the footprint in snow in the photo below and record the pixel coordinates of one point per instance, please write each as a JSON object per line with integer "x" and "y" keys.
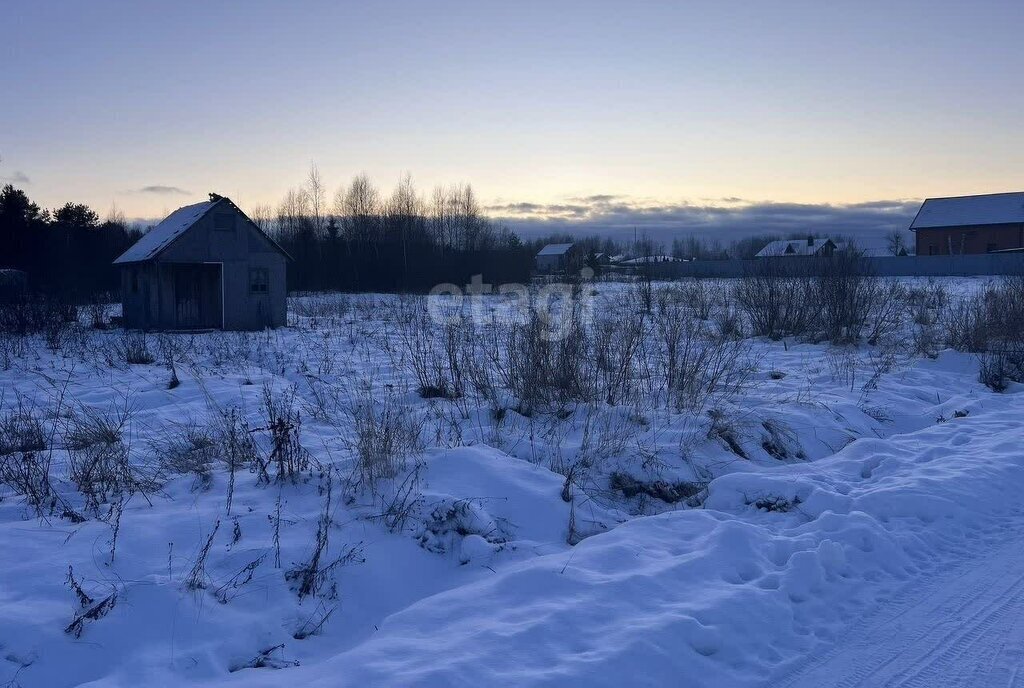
{"x": 960, "y": 439}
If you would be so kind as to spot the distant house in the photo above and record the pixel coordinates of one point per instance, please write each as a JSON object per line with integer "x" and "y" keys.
{"x": 557, "y": 258}
{"x": 205, "y": 266}
{"x": 970, "y": 224}
{"x": 810, "y": 246}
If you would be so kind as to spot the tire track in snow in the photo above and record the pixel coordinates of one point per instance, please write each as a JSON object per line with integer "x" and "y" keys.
{"x": 965, "y": 629}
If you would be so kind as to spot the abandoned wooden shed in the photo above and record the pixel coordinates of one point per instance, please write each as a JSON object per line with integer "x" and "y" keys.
{"x": 205, "y": 266}
{"x": 557, "y": 258}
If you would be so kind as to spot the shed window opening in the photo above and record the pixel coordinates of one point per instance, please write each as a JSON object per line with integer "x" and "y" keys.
{"x": 224, "y": 222}
{"x": 259, "y": 281}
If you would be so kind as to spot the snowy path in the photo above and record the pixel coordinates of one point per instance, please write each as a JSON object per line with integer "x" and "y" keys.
{"x": 964, "y": 629}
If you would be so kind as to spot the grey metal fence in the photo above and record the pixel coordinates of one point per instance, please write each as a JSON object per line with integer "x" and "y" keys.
{"x": 905, "y": 266}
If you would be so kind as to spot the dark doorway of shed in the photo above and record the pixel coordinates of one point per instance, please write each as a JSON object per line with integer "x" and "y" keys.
{"x": 197, "y": 296}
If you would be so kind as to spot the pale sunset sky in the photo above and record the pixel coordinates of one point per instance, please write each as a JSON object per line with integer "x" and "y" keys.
{"x": 547, "y": 108}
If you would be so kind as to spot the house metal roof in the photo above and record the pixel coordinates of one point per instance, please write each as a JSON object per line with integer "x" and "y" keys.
{"x": 793, "y": 247}
{"x": 957, "y": 211}
{"x": 163, "y": 235}
{"x": 555, "y": 249}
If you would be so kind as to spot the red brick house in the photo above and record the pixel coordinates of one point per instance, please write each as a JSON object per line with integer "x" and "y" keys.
{"x": 970, "y": 224}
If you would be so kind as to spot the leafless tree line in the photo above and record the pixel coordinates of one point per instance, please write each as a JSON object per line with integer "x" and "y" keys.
{"x": 450, "y": 216}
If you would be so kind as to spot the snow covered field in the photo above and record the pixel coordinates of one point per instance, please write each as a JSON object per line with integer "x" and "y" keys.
{"x": 370, "y": 497}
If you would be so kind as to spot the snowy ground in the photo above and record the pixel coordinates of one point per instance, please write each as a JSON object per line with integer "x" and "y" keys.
{"x": 858, "y": 529}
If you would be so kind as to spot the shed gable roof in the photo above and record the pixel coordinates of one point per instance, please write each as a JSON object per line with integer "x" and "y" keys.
{"x": 153, "y": 242}
{"x": 987, "y": 209}
{"x": 163, "y": 234}
{"x": 555, "y": 249}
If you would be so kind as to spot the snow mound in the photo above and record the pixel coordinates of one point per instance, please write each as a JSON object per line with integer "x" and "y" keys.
{"x": 776, "y": 566}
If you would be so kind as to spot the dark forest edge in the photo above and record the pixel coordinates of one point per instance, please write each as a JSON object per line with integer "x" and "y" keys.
{"x": 360, "y": 241}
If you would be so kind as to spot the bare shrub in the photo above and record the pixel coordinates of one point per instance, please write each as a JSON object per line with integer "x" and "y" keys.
{"x": 92, "y": 613}
{"x": 1001, "y": 366}
{"x": 197, "y": 577}
{"x": 31, "y": 315}
{"x": 404, "y": 502}
{"x": 187, "y": 449}
{"x": 728, "y": 321}
{"x": 194, "y": 448}
{"x": 431, "y": 350}
{"x": 830, "y": 297}
{"x": 702, "y": 296}
{"x": 616, "y": 343}
{"x": 976, "y": 323}
{"x": 26, "y": 460}
{"x": 319, "y": 310}
{"x": 675, "y": 330}
{"x": 172, "y": 350}
{"x": 55, "y": 333}
{"x": 28, "y": 474}
{"x": 882, "y": 361}
{"x": 547, "y": 362}
{"x": 991, "y": 324}
{"x": 968, "y": 325}
{"x": 12, "y": 347}
{"x": 287, "y": 457}
{"x": 233, "y": 586}
{"x": 925, "y": 302}
{"x": 53, "y": 318}
{"x": 98, "y": 457}
{"x": 265, "y": 659}
{"x": 229, "y": 349}
{"x": 699, "y": 364}
{"x": 96, "y": 311}
{"x": 643, "y": 288}
{"x": 386, "y": 434}
{"x": 486, "y": 369}
{"x": 887, "y": 312}
{"x": 310, "y": 576}
{"x": 604, "y": 434}
{"x": 842, "y": 364}
{"x": 133, "y": 347}
{"x": 847, "y": 293}
{"x": 238, "y": 448}
{"x": 926, "y": 340}
{"x": 720, "y": 370}
{"x": 21, "y": 430}
{"x": 777, "y": 295}
{"x": 314, "y": 623}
